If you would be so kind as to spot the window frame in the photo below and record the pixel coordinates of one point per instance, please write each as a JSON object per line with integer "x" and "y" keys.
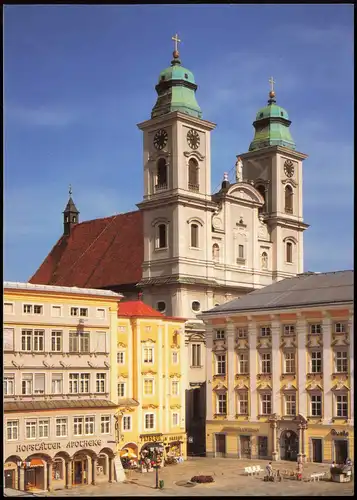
{"x": 196, "y": 355}
{"x": 159, "y": 237}
{"x": 100, "y": 381}
{"x": 343, "y": 360}
{"x": 315, "y": 361}
{"x": 59, "y": 307}
{"x": 54, "y": 340}
{"x": 128, "y": 419}
{"x": 105, "y": 420}
{"x": 11, "y": 428}
{"x": 43, "y": 422}
{"x": 123, "y": 385}
{"x": 221, "y": 403}
{"x": 146, "y": 381}
{"x": 149, "y": 414}
{"x": 243, "y": 403}
{"x": 146, "y": 359}
{"x": 9, "y": 381}
{"x": 341, "y": 407}
{"x": 244, "y": 362}
{"x": 59, "y": 425}
{"x": 288, "y": 330}
{"x": 177, "y": 414}
{"x": 121, "y": 354}
{"x": 30, "y": 425}
{"x": 292, "y": 404}
{"x": 57, "y": 381}
{"x": 221, "y": 364}
{"x": 175, "y": 383}
{"x": 265, "y": 363}
{"x": 267, "y": 402}
{"x": 291, "y": 361}
{"x": 289, "y": 252}
{"x": 194, "y": 235}
{"x": 220, "y": 334}
{"x": 312, "y": 403}
{"x": 265, "y": 331}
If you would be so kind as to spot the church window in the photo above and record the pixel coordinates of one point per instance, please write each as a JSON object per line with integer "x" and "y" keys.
{"x": 215, "y": 252}
{"x": 194, "y": 235}
{"x": 193, "y": 184}
{"x": 74, "y": 219}
{"x": 240, "y": 251}
{"x": 196, "y": 306}
{"x": 161, "y": 240}
{"x": 288, "y": 200}
{"x": 161, "y": 174}
{"x": 261, "y": 190}
{"x": 289, "y": 252}
{"x": 67, "y": 218}
{"x": 161, "y": 306}
{"x": 264, "y": 260}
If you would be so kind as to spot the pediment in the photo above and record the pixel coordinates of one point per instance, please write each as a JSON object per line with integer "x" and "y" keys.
{"x": 220, "y": 387}
{"x": 264, "y": 386}
{"x": 314, "y": 386}
{"x": 340, "y": 386}
{"x": 245, "y": 192}
{"x": 289, "y": 387}
{"x": 241, "y": 386}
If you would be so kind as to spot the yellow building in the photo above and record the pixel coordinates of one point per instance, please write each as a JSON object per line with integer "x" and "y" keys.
{"x": 151, "y": 380}
{"x": 280, "y": 371}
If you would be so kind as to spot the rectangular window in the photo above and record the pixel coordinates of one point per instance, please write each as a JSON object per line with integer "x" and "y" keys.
{"x": 316, "y": 405}
{"x": 265, "y": 331}
{"x": 222, "y": 404}
{"x": 175, "y": 388}
{"x": 12, "y": 430}
{"x": 26, "y": 384}
{"x": 74, "y": 311}
{"x": 243, "y": 362}
{"x": 242, "y": 333}
{"x": 121, "y": 389}
{"x": 101, "y": 341}
{"x": 26, "y": 340}
{"x": 175, "y": 419}
{"x": 8, "y": 308}
{"x": 243, "y": 403}
{"x": 289, "y": 362}
{"x": 194, "y": 235}
{"x": 78, "y": 426}
{"x": 73, "y": 383}
{"x": 315, "y": 328}
{"x": 27, "y": 309}
{"x": 340, "y": 328}
{"x": 341, "y": 362}
{"x": 240, "y": 251}
{"x": 220, "y": 334}
{"x": 30, "y": 429}
{"x": 83, "y": 312}
{"x": 8, "y": 339}
{"x": 9, "y": 384}
{"x": 78, "y": 341}
{"x": 266, "y": 362}
{"x": 342, "y": 405}
{"x": 84, "y": 383}
{"x": 43, "y": 428}
{"x": 221, "y": 364}
{"x": 105, "y": 424}
{"x": 290, "y": 404}
{"x": 100, "y": 313}
{"x": 175, "y": 357}
{"x": 121, "y": 357}
{"x": 37, "y": 309}
{"x": 266, "y": 404}
{"x": 89, "y": 425}
{"x": 56, "y": 340}
{"x": 100, "y": 382}
{"x": 148, "y": 386}
{"x": 39, "y": 383}
{"x": 39, "y": 340}
{"x": 127, "y": 423}
{"x": 57, "y": 383}
{"x": 289, "y": 329}
{"x": 148, "y": 355}
{"x": 316, "y": 362}
{"x": 56, "y": 311}
{"x": 149, "y": 421}
{"x": 196, "y": 355}
{"x": 61, "y": 427}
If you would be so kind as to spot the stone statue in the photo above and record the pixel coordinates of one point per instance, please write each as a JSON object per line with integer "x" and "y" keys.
{"x": 239, "y": 170}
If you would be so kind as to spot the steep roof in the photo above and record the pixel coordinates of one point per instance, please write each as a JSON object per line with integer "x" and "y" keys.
{"x": 303, "y": 290}
{"x": 137, "y": 308}
{"x": 96, "y": 254}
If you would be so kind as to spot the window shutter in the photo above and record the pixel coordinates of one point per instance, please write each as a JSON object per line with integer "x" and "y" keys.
{"x": 101, "y": 341}
{"x": 39, "y": 383}
{"x": 8, "y": 335}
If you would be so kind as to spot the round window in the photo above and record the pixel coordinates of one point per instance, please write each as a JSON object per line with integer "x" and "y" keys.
{"x": 196, "y": 306}
{"x": 161, "y": 306}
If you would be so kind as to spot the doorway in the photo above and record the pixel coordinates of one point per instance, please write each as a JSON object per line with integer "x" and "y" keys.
{"x": 262, "y": 446}
{"x": 341, "y": 450}
{"x": 10, "y": 479}
{"x": 289, "y": 445}
{"x": 80, "y": 472}
{"x": 245, "y": 448}
{"x": 220, "y": 445}
{"x": 317, "y": 450}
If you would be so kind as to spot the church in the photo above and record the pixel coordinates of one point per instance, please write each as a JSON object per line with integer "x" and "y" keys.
{"x": 186, "y": 249}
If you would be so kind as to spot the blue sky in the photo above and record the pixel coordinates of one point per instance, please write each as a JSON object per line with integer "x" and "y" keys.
{"x": 79, "y": 78}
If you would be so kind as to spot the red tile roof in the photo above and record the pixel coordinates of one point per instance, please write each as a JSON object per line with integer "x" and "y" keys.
{"x": 99, "y": 253}
{"x": 137, "y": 308}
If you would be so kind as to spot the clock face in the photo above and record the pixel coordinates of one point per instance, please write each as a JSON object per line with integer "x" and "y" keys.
{"x": 160, "y": 139}
{"x": 289, "y": 168}
{"x": 193, "y": 139}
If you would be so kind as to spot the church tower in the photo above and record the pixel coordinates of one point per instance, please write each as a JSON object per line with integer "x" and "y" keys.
{"x": 177, "y": 205}
{"x": 70, "y": 215}
{"x": 275, "y": 168}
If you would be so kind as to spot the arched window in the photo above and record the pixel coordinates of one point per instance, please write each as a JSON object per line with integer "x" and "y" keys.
{"x": 161, "y": 306}
{"x": 193, "y": 183}
{"x": 161, "y": 236}
{"x": 74, "y": 219}
{"x": 215, "y": 252}
{"x": 289, "y": 252}
{"x": 264, "y": 260}
{"x": 194, "y": 235}
{"x": 289, "y": 199}
{"x": 161, "y": 174}
{"x": 261, "y": 190}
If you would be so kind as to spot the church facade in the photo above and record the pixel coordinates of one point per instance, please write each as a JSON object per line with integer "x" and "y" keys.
{"x": 187, "y": 249}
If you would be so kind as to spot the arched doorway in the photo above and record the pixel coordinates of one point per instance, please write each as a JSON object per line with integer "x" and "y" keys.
{"x": 289, "y": 445}
{"x": 59, "y": 468}
{"x": 11, "y": 472}
{"x": 82, "y": 472}
{"x": 36, "y": 472}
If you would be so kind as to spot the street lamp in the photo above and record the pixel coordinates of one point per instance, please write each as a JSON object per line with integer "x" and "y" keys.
{"x": 157, "y": 465}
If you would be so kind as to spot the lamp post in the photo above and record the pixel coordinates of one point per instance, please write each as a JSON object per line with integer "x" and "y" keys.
{"x": 156, "y": 452}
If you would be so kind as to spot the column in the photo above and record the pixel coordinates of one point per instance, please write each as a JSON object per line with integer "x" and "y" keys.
{"x": 21, "y": 479}
{"x": 209, "y": 375}
{"x": 327, "y": 369}
{"x": 351, "y": 367}
{"x": 304, "y": 426}
{"x": 252, "y": 333}
{"x": 231, "y": 370}
{"x": 94, "y": 470}
{"x": 49, "y": 476}
{"x": 276, "y": 365}
{"x": 301, "y": 330}
{"x": 69, "y": 474}
{"x": 160, "y": 379}
{"x": 274, "y": 454}
{"x": 111, "y": 470}
{"x": 301, "y": 439}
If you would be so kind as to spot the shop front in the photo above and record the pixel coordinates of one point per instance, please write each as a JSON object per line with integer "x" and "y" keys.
{"x": 172, "y": 446}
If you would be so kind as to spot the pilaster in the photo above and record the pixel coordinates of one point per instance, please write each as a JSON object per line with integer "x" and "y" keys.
{"x": 351, "y": 365}
{"x": 161, "y": 380}
{"x": 276, "y": 365}
{"x": 113, "y": 335}
{"x": 252, "y": 333}
{"x": 167, "y": 387}
{"x": 209, "y": 374}
{"x": 301, "y": 329}
{"x": 231, "y": 369}
{"x": 327, "y": 368}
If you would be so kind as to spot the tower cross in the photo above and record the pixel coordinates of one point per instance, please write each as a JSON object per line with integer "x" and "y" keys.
{"x": 271, "y": 81}
{"x": 176, "y": 40}
{"x": 70, "y": 190}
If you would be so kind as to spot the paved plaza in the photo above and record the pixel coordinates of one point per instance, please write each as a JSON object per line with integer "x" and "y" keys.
{"x": 228, "y": 476}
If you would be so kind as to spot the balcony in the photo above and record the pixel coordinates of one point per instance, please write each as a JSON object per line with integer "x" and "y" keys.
{"x": 288, "y": 210}
{"x": 161, "y": 187}
{"x": 193, "y": 187}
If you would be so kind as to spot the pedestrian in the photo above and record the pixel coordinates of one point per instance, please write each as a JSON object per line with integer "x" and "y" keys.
{"x": 349, "y": 462}
{"x": 300, "y": 469}
{"x": 269, "y": 469}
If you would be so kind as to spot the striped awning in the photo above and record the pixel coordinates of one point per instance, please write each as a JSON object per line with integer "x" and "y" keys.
{"x": 36, "y": 462}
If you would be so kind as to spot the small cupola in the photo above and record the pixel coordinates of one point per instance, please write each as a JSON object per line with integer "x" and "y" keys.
{"x": 272, "y": 125}
{"x": 70, "y": 215}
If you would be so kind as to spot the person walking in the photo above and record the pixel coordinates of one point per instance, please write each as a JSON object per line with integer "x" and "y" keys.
{"x": 269, "y": 469}
{"x": 299, "y": 469}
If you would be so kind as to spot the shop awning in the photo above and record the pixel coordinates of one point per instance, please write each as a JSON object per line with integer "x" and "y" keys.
{"x": 154, "y": 444}
{"x": 36, "y": 462}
